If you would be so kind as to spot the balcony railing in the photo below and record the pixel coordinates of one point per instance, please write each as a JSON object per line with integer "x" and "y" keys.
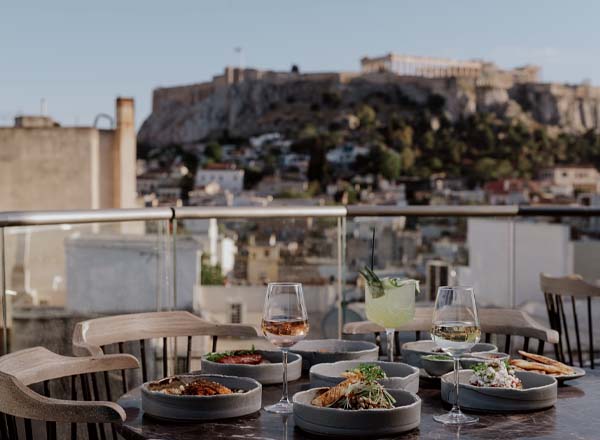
{"x": 171, "y": 217}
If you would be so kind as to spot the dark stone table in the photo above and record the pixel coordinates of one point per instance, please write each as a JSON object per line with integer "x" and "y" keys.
{"x": 575, "y": 416}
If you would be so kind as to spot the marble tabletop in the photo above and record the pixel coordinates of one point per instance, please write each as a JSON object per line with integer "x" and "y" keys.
{"x": 575, "y": 416}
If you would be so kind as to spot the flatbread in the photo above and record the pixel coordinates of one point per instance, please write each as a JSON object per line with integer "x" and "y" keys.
{"x": 547, "y": 361}
{"x": 536, "y": 366}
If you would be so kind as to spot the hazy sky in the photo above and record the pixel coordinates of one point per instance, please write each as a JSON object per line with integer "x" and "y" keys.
{"x": 80, "y": 55}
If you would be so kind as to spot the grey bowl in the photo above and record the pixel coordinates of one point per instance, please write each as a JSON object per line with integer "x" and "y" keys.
{"x": 399, "y": 376}
{"x": 320, "y": 351}
{"x": 436, "y": 367}
{"x": 166, "y": 406}
{"x": 468, "y": 361}
{"x": 357, "y": 423}
{"x": 539, "y": 392}
{"x": 412, "y": 351}
{"x": 266, "y": 374}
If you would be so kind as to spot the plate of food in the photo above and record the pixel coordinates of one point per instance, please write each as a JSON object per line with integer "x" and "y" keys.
{"x": 392, "y": 375}
{"x": 536, "y": 363}
{"x": 413, "y": 351}
{"x": 320, "y": 351}
{"x": 201, "y": 397}
{"x": 496, "y": 387}
{"x": 264, "y": 366}
{"x": 356, "y": 407}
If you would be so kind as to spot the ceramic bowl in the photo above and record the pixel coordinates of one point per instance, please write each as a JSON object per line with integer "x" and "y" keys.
{"x": 224, "y": 406}
{"x": 413, "y": 351}
{"x": 539, "y": 392}
{"x": 436, "y": 367}
{"x": 357, "y": 423}
{"x": 320, "y": 351}
{"x": 471, "y": 359}
{"x": 399, "y": 376}
{"x": 267, "y": 374}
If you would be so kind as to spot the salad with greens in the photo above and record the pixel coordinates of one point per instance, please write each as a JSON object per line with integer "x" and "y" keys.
{"x": 369, "y": 372}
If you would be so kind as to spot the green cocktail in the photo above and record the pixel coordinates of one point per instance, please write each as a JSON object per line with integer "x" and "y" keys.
{"x": 390, "y": 302}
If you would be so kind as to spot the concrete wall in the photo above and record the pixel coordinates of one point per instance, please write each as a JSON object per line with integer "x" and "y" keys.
{"x": 126, "y": 274}
{"x": 47, "y": 168}
{"x": 539, "y": 247}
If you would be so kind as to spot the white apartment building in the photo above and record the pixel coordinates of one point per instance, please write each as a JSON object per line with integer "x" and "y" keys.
{"x": 572, "y": 178}
{"x": 228, "y": 179}
{"x": 346, "y": 154}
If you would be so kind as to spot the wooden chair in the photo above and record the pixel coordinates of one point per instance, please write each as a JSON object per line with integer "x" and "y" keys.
{"x": 495, "y": 323}
{"x": 25, "y": 368}
{"x": 557, "y": 288}
{"x": 93, "y": 337}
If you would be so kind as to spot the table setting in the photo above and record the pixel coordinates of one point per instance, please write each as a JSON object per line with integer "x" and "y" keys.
{"x": 341, "y": 389}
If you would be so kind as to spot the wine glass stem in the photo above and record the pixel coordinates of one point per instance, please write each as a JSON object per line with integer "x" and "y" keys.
{"x": 284, "y": 353}
{"x": 389, "y": 332}
{"x": 456, "y": 407}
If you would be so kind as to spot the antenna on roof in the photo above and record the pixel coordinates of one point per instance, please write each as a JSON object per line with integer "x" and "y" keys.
{"x": 43, "y": 107}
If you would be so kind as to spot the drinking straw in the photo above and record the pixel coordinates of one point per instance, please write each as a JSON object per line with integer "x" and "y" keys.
{"x": 373, "y": 251}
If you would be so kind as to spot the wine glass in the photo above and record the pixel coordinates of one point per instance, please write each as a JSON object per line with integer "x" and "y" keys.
{"x": 284, "y": 323}
{"x": 455, "y": 329}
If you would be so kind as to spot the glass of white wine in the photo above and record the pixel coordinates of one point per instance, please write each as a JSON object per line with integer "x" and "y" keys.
{"x": 284, "y": 323}
{"x": 455, "y": 329}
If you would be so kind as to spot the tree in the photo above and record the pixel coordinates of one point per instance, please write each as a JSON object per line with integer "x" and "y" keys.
{"x": 388, "y": 162}
{"x": 408, "y": 158}
{"x": 367, "y": 116}
{"x": 213, "y": 151}
{"x": 210, "y": 275}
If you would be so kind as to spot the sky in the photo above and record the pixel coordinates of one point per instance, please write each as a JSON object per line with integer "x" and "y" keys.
{"x": 80, "y": 55}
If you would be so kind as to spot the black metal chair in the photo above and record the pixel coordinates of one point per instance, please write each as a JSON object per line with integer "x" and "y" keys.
{"x": 573, "y": 289}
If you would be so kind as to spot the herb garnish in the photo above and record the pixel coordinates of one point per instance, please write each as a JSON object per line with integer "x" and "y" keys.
{"x": 216, "y": 357}
{"x": 374, "y": 282}
{"x": 370, "y": 372}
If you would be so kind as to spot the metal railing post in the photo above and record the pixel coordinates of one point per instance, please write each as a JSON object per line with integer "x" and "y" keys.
{"x": 4, "y": 300}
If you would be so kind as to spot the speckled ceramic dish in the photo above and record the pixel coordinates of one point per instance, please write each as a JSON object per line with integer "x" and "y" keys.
{"x": 357, "y": 423}
{"x": 320, "y": 351}
{"x": 399, "y": 376}
{"x": 167, "y": 406}
{"x": 267, "y": 374}
{"x": 412, "y": 351}
{"x": 539, "y": 392}
{"x": 436, "y": 367}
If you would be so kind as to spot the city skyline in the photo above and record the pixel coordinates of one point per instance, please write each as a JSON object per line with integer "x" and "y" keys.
{"x": 80, "y": 57}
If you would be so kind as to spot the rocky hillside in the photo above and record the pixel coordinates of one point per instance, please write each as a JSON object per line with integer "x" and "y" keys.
{"x": 257, "y": 106}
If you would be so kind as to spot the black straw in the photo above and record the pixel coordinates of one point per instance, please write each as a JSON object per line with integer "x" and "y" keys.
{"x": 373, "y": 251}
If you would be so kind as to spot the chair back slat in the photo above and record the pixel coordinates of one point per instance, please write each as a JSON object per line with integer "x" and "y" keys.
{"x": 577, "y": 337}
{"x": 526, "y": 343}
{"x": 29, "y": 430}
{"x": 188, "y": 355}
{"x": 507, "y": 343}
{"x": 561, "y": 309}
{"x": 143, "y": 360}
{"x": 123, "y": 375}
{"x": 165, "y": 357}
{"x": 12, "y": 427}
{"x": 590, "y": 330}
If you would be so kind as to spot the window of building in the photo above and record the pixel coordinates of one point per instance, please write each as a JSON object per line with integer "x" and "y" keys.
{"x": 267, "y": 253}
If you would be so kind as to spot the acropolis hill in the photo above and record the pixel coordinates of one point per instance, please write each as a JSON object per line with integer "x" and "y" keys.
{"x": 245, "y": 102}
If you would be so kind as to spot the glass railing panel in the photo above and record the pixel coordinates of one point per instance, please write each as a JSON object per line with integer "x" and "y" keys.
{"x": 239, "y": 258}
{"x": 59, "y": 275}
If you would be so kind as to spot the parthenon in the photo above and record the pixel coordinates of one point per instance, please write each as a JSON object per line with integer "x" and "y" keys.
{"x": 421, "y": 66}
{"x": 485, "y": 73}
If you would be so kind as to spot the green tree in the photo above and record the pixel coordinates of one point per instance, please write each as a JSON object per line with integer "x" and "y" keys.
{"x": 408, "y": 158}
{"x": 210, "y": 275}
{"x": 213, "y": 151}
{"x": 389, "y": 162}
{"x": 367, "y": 116}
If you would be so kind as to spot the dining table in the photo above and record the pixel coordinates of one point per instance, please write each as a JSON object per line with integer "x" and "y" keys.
{"x": 574, "y": 416}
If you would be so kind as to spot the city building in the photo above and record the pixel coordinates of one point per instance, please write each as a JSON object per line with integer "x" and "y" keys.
{"x": 572, "y": 178}
{"x": 47, "y": 166}
{"x": 346, "y": 154}
{"x": 226, "y": 175}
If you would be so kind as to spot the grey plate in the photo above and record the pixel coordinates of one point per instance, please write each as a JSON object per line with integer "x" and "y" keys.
{"x": 320, "y": 351}
{"x": 399, "y": 376}
{"x": 264, "y": 373}
{"x": 357, "y": 423}
{"x": 539, "y": 392}
{"x": 412, "y": 351}
{"x": 579, "y": 372}
{"x": 225, "y": 406}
